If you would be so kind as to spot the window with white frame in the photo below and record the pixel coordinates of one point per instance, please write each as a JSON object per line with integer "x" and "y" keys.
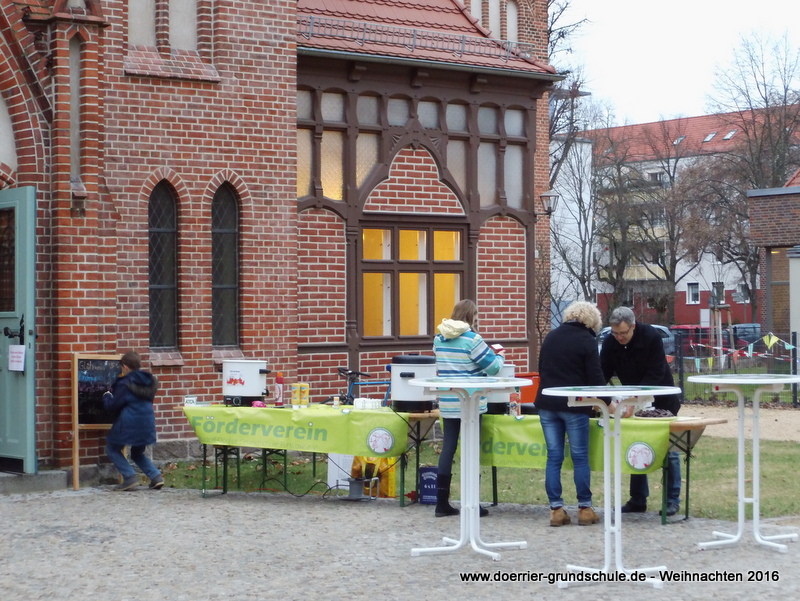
{"x": 692, "y": 293}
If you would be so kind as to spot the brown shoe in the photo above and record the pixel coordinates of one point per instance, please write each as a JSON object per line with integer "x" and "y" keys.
{"x": 587, "y": 516}
{"x": 559, "y": 517}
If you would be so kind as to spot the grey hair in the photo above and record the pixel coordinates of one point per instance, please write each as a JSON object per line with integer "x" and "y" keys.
{"x": 586, "y": 313}
{"x": 621, "y": 314}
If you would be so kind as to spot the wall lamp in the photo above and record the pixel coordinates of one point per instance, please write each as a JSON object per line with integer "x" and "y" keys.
{"x": 549, "y": 201}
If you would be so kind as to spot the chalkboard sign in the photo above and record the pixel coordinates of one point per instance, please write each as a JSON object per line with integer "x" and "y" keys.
{"x": 92, "y": 376}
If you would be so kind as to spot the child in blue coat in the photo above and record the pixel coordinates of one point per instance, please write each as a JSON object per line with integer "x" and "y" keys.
{"x": 131, "y": 401}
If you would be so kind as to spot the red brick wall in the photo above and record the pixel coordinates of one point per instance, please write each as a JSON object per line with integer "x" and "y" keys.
{"x": 775, "y": 220}
{"x": 502, "y": 300}
{"x": 413, "y": 186}
{"x": 194, "y": 122}
{"x": 322, "y": 277}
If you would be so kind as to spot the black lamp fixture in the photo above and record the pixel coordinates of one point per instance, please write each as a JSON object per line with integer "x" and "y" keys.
{"x": 549, "y": 201}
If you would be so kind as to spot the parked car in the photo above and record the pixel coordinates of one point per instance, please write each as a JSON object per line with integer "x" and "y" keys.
{"x": 746, "y": 333}
{"x": 696, "y": 340}
{"x": 667, "y": 338}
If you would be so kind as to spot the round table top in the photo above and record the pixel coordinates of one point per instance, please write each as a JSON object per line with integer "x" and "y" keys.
{"x": 754, "y": 379}
{"x": 623, "y": 391}
{"x": 482, "y": 382}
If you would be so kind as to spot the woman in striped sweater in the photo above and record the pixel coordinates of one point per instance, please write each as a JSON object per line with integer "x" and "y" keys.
{"x": 460, "y": 351}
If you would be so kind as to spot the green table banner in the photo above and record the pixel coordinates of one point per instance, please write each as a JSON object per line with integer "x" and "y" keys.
{"x": 508, "y": 441}
{"x": 319, "y": 428}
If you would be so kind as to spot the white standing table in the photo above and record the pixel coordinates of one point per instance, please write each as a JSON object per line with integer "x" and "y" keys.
{"x": 734, "y": 383}
{"x": 470, "y": 390}
{"x": 637, "y": 396}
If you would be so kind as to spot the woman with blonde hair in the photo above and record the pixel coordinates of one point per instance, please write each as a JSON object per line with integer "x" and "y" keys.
{"x": 569, "y": 357}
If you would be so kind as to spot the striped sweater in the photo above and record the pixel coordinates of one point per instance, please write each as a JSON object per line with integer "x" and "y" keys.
{"x": 461, "y": 352}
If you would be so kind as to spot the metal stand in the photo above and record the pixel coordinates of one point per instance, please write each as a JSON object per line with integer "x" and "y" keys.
{"x": 357, "y": 486}
{"x": 613, "y": 529}
{"x": 470, "y": 483}
{"x": 728, "y": 539}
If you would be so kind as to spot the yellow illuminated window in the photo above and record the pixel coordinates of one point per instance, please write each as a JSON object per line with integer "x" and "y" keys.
{"x": 377, "y": 317}
{"x": 418, "y": 280}
{"x": 413, "y": 246}
{"x": 377, "y": 245}
{"x": 446, "y": 245}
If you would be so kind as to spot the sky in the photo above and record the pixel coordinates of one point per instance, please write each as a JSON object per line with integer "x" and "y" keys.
{"x": 656, "y": 60}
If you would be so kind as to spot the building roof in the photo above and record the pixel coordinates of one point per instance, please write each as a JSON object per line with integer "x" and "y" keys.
{"x": 430, "y": 31}
{"x": 689, "y": 136}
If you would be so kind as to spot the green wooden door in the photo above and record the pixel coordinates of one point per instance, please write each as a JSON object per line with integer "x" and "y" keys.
{"x": 17, "y": 330}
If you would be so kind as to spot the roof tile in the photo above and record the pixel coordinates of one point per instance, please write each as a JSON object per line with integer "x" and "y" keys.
{"x": 439, "y": 22}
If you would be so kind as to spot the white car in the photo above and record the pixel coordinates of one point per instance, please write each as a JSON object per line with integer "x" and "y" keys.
{"x": 667, "y": 338}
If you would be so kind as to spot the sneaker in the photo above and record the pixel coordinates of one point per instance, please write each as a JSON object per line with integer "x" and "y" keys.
{"x": 631, "y": 507}
{"x": 587, "y": 516}
{"x": 672, "y": 509}
{"x": 559, "y": 517}
{"x": 157, "y": 482}
{"x": 128, "y": 483}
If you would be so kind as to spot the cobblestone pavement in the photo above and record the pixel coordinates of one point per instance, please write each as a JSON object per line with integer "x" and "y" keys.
{"x": 95, "y": 544}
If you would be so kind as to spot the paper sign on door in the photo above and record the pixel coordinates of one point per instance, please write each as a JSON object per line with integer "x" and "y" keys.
{"x": 16, "y": 357}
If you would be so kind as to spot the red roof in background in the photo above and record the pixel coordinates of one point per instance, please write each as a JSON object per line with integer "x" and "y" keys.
{"x": 690, "y": 136}
{"x": 794, "y": 180}
{"x": 416, "y": 30}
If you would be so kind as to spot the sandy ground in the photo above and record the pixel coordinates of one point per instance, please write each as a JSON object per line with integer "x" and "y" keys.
{"x": 773, "y": 424}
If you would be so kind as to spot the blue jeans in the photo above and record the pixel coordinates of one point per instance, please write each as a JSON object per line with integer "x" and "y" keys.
{"x": 114, "y": 453}
{"x": 640, "y": 489}
{"x": 555, "y": 425}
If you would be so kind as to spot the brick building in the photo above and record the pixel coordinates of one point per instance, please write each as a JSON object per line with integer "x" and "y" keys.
{"x": 217, "y": 180}
{"x": 775, "y": 229}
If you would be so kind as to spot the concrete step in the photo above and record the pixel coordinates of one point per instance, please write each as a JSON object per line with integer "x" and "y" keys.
{"x": 44, "y": 481}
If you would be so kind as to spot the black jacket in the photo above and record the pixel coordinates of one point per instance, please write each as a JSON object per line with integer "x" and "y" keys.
{"x": 568, "y": 358}
{"x": 641, "y": 362}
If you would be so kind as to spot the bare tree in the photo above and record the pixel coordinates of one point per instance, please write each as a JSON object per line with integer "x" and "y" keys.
{"x": 611, "y": 183}
{"x": 567, "y": 94}
{"x": 559, "y": 31}
{"x": 669, "y": 235}
{"x": 759, "y": 94}
{"x": 573, "y": 228}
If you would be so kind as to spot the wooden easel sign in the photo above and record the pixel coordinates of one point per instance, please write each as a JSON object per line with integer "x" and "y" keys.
{"x": 92, "y": 375}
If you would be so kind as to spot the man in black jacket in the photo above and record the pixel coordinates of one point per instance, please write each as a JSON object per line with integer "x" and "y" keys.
{"x": 635, "y": 354}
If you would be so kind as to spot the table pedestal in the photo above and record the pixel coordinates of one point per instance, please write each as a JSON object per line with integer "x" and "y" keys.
{"x": 470, "y": 484}
{"x": 728, "y": 539}
{"x": 613, "y": 530}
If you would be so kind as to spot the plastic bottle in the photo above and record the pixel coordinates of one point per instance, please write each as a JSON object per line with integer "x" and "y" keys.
{"x": 279, "y": 389}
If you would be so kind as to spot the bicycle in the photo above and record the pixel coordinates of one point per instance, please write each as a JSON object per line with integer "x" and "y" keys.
{"x": 347, "y": 397}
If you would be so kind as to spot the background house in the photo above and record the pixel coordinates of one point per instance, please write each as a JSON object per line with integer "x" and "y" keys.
{"x": 645, "y": 226}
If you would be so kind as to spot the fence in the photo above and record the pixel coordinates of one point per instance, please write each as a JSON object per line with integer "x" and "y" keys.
{"x": 771, "y": 353}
